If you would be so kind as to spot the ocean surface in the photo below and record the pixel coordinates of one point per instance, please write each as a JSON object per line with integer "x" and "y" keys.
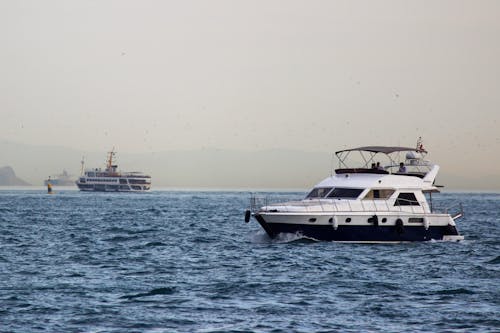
{"x": 185, "y": 261}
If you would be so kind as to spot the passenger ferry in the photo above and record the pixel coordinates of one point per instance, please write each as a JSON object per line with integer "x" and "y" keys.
{"x": 366, "y": 203}
{"x": 112, "y": 180}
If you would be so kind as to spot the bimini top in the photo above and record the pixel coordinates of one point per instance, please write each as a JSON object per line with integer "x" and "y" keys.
{"x": 404, "y": 161}
{"x": 383, "y": 149}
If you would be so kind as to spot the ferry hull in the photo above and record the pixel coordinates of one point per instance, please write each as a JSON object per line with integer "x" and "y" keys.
{"x": 100, "y": 188}
{"x": 361, "y": 233}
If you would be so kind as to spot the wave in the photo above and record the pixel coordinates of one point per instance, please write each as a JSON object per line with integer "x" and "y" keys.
{"x": 117, "y": 230}
{"x": 261, "y": 237}
{"x": 155, "y": 244}
{"x": 495, "y": 261}
{"x": 153, "y": 292}
{"x": 154, "y": 210}
{"x": 458, "y": 291}
{"x": 121, "y": 239}
{"x": 294, "y": 237}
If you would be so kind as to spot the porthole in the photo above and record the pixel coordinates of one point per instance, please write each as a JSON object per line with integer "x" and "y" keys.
{"x": 384, "y": 220}
{"x": 312, "y": 219}
{"x": 347, "y": 220}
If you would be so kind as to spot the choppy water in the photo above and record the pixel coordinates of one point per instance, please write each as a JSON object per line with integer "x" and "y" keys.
{"x": 186, "y": 262}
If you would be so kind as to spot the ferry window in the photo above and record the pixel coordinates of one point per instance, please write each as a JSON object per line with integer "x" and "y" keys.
{"x": 406, "y": 199}
{"x": 379, "y": 194}
{"x": 318, "y": 192}
{"x": 342, "y": 192}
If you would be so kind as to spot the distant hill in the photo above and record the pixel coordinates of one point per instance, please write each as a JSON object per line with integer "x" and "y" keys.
{"x": 8, "y": 178}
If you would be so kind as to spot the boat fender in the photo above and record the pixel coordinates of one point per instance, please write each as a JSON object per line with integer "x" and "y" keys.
{"x": 373, "y": 220}
{"x": 247, "y": 215}
{"x": 400, "y": 226}
{"x": 334, "y": 222}
{"x": 426, "y": 224}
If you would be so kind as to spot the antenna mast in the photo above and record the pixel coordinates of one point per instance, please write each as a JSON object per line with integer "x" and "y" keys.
{"x": 83, "y": 163}
{"x": 111, "y": 156}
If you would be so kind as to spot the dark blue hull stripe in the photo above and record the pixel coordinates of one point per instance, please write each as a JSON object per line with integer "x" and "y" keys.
{"x": 357, "y": 233}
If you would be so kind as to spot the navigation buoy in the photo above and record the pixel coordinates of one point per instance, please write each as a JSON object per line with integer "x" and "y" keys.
{"x": 49, "y": 188}
{"x": 247, "y": 216}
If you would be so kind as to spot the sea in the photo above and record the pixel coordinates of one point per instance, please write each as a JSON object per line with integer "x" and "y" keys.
{"x": 185, "y": 261}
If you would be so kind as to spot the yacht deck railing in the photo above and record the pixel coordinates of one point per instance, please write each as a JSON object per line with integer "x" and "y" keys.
{"x": 276, "y": 204}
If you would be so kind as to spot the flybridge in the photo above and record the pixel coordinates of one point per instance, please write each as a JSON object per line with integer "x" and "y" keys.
{"x": 384, "y": 160}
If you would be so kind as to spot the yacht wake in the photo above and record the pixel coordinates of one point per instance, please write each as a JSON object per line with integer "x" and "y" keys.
{"x": 261, "y": 237}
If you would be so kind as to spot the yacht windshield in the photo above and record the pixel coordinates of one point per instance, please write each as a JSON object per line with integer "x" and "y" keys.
{"x": 342, "y": 192}
{"x": 379, "y": 194}
{"x": 318, "y": 192}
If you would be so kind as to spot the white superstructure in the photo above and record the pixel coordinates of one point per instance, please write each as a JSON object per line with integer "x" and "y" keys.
{"x": 112, "y": 180}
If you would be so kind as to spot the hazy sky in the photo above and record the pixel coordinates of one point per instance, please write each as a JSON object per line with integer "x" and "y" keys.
{"x": 149, "y": 76}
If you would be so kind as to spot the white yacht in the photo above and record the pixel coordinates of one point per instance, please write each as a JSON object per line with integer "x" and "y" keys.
{"x": 112, "y": 180}
{"x": 365, "y": 203}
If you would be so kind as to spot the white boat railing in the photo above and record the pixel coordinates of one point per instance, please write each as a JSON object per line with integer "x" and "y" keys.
{"x": 456, "y": 210}
{"x": 276, "y": 204}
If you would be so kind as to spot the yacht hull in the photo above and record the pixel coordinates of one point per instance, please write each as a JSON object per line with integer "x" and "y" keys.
{"x": 362, "y": 233}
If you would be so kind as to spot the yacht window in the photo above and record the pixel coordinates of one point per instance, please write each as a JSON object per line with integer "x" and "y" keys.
{"x": 318, "y": 192}
{"x": 342, "y": 192}
{"x": 406, "y": 199}
{"x": 379, "y": 194}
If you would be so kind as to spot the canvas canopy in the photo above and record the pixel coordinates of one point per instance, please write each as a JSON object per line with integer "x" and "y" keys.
{"x": 380, "y": 149}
